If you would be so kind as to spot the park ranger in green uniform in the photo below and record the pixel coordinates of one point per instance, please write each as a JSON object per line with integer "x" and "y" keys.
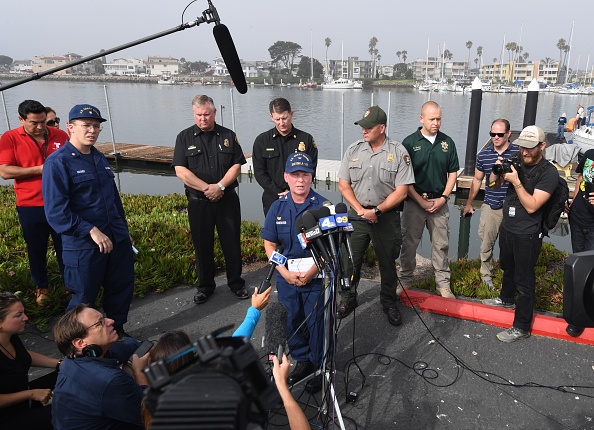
{"x": 374, "y": 176}
{"x": 435, "y": 163}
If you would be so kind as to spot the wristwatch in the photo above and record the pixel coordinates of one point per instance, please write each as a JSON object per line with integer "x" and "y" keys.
{"x": 377, "y": 211}
{"x": 445, "y": 197}
{"x": 221, "y": 186}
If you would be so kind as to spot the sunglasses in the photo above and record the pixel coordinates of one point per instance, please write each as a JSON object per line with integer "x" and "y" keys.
{"x": 7, "y": 295}
{"x": 53, "y": 122}
{"x": 496, "y": 134}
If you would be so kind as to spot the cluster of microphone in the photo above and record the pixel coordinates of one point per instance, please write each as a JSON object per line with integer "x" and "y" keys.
{"x": 322, "y": 232}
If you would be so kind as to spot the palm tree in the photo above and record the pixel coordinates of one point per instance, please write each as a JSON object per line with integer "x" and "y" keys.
{"x": 479, "y": 53}
{"x": 447, "y": 54}
{"x": 561, "y": 44}
{"x": 525, "y": 55}
{"x": 468, "y": 46}
{"x": 372, "y": 51}
{"x": 404, "y": 56}
{"x": 327, "y": 42}
{"x": 379, "y": 61}
{"x": 398, "y": 54}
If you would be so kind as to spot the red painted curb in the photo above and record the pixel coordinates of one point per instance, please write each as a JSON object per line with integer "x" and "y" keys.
{"x": 542, "y": 325}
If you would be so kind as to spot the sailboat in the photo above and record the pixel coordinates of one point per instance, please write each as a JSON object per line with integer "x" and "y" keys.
{"x": 311, "y": 83}
{"x": 342, "y": 83}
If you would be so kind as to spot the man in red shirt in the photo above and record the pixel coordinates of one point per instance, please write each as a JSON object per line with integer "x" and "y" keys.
{"x": 23, "y": 151}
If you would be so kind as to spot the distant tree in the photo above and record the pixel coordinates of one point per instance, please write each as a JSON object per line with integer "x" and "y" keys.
{"x": 304, "y": 70}
{"x": 447, "y": 54}
{"x": 285, "y": 52}
{"x": 198, "y": 66}
{"x": 494, "y": 60}
{"x": 401, "y": 71}
{"x": 373, "y": 52}
{"x": 525, "y": 55}
{"x": 399, "y": 54}
{"x": 404, "y": 56}
{"x": 468, "y": 46}
{"x": 561, "y": 44}
{"x": 510, "y": 48}
{"x": 479, "y": 53}
{"x": 98, "y": 66}
{"x": 5, "y": 61}
{"x": 327, "y": 42}
{"x": 476, "y": 60}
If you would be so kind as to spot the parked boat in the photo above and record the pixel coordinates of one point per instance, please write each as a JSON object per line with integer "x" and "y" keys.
{"x": 584, "y": 137}
{"x": 339, "y": 84}
{"x": 167, "y": 79}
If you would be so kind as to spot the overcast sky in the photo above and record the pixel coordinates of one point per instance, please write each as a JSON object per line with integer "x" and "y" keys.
{"x": 85, "y": 27}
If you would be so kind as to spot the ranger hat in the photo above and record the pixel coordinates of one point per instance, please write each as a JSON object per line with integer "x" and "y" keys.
{"x": 299, "y": 162}
{"x": 530, "y": 137}
{"x": 373, "y": 116}
{"x": 85, "y": 111}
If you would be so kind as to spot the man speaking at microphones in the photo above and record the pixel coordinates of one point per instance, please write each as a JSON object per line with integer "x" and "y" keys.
{"x": 373, "y": 179}
{"x": 298, "y": 285}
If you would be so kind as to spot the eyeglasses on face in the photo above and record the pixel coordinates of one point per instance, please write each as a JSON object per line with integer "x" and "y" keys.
{"x": 89, "y": 127}
{"x": 496, "y": 134}
{"x": 99, "y": 323}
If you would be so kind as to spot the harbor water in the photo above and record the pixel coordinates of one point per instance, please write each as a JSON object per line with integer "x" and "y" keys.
{"x": 153, "y": 114}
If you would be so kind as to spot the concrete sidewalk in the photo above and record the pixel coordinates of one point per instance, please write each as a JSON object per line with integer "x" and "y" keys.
{"x": 443, "y": 368}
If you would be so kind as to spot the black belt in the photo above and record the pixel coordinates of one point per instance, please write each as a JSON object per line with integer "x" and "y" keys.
{"x": 430, "y": 195}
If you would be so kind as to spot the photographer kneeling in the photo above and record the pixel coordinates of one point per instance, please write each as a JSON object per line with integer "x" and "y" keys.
{"x": 533, "y": 181}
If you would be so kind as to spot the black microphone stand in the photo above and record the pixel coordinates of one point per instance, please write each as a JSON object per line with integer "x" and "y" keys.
{"x": 208, "y": 16}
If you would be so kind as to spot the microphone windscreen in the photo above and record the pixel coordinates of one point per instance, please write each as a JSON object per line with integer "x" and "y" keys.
{"x": 280, "y": 249}
{"x": 275, "y": 326}
{"x": 299, "y": 226}
{"x": 229, "y": 54}
{"x": 309, "y": 220}
{"x": 341, "y": 208}
{"x": 324, "y": 211}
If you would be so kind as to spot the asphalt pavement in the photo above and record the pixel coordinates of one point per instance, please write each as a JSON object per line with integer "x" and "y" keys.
{"x": 434, "y": 371}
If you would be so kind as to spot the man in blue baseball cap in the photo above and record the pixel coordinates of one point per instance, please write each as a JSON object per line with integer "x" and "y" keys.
{"x": 298, "y": 285}
{"x": 83, "y": 205}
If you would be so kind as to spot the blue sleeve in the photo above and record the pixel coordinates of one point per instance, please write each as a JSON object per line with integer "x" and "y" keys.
{"x": 269, "y": 231}
{"x": 56, "y": 199}
{"x": 122, "y": 400}
{"x": 246, "y": 329}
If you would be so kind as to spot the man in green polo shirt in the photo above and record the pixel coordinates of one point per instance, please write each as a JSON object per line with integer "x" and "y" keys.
{"x": 435, "y": 163}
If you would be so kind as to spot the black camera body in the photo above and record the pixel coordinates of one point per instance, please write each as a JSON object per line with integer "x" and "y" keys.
{"x": 505, "y": 166}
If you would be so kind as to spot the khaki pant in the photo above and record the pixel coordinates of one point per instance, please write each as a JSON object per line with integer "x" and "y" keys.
{"x": 488, "y": 232}
{"x": 414, "y": 220}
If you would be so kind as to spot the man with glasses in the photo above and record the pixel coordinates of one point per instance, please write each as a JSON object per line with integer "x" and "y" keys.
{"x": 84, "y": 206}
{"x": 533, "y": 180}
{"x": 273, "y": 147}
{"x": 435, "y": 162}
{"x": 92, "y": 391}
{"x": 374, "y": 176}
{"x": 23, "y": 152}
{"x": 492, "y": 207}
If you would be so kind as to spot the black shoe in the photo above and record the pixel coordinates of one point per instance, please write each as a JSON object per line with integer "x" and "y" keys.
{"x": 345, "y": 308}
{"x": 394, "y": 316}
{"x": 573, "y": 330}
{"x": 242, "y": 293}
{"x": 302, "y": 369}
{"x": 200, "y": 298}
{"x": 314, "y": 384}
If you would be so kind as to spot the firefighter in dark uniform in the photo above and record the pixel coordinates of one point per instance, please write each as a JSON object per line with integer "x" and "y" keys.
{"x": 273, "y": 147}
{"x": 208, "y": 158}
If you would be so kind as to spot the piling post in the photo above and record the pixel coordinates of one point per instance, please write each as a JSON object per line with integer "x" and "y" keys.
{"x": 531, "y": 104}
{"x": 474, "y": 122}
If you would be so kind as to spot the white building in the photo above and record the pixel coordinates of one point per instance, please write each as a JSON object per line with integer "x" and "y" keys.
{"x": 21, "y": 66}
{"x": 124, "y": 67}
{"x": 157, "y": 66}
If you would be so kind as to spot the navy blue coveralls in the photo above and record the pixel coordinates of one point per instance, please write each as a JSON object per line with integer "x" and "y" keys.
{"x": 306, "y": 341}
{"x": 80, "y": 193}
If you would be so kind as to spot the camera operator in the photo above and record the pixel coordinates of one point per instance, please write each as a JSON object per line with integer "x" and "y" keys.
{"x": 533, "y": 180}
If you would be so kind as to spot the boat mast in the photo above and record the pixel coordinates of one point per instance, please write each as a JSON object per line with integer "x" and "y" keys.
{"x": 569, "y": 52}
{"x": 311, "y": 79}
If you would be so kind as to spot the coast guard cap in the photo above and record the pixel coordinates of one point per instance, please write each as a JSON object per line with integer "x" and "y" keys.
{"x": 372, "y": 117}
{"x": 530, "y": 137}
{"x": 85, "y": 111}
{"x": 299, "y": 162}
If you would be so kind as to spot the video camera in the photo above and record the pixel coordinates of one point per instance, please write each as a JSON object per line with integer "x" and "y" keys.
{"x": 505, "y": 166}
{"x": 224, "y": 386}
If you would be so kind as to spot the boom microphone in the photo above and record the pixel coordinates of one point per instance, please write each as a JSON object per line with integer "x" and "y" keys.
{"x": 275, "y": 330}
{"x": 229, "y": 54}
{"x": 276, "y": 259}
